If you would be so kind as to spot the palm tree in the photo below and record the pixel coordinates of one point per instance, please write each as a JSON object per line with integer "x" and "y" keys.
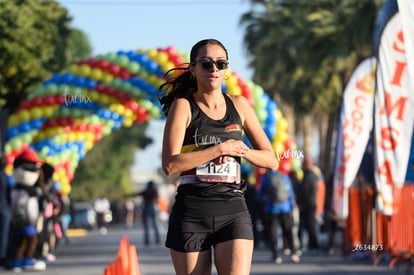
{"x": 303, "y": 53}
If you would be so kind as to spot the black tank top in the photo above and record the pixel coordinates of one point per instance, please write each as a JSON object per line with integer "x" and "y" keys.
{"x": 214, "y": 198}
{"x": 204, "y": 131}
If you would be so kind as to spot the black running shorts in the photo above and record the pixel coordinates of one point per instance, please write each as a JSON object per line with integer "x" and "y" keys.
{"x": 187, "y": 233}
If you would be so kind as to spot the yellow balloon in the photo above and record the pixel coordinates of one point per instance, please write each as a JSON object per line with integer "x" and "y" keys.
{"x": 236, "y": 91}
{"x": 65, "y": 188}
{"x": 281, "y": 124}
{"x": 278, "y": 114}
{"x": 167, "y": 66}
{"x": 88, "y": 146}
{"x": 300, "y": 174}
{"x": 9, "y": 169}
{"x": 23, "y": 115}
{"x": 152, "y": 79}
{"x": 71, "y": 136}
{"x": 96, "y": 74}
{"x": 36, "y": 112}
{"x": 48, "y": 111}
{"x": 84, "y": 70}
{"x": 73, "y": 69}
{"x": 152, "y": 53}
{"x": 13, "y": 120}
{"x": 231, "y": 82}
{"x": 129, "y": 114}
{"x": 278, "y": 147}
{"x": 128, "y": 122}
{"x": 281, "y": 137}
{"x": 106, "y": 77}
{"x": 118, "y": 108}
{"x": 161, "y": 58}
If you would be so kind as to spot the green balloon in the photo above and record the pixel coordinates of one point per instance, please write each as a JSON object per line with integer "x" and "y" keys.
{"x": 111, "y": 57}
{"x": 133, "y": 67}
{"x": 51, "y": 89}
{"x": 122, "y": 60}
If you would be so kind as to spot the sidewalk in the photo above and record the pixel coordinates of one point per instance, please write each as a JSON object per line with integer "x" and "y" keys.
{"x": 90, "y": 251}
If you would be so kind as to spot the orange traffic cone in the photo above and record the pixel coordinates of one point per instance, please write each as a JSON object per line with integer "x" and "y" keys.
{"x": 110, "y": 269}
{"x": 123, "y": 255}
{"x": 133, "y": 261}
{"x": 107, "y": 270}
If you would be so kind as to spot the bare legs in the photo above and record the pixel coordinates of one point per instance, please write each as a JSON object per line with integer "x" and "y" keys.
{"x": 231, "y": 258}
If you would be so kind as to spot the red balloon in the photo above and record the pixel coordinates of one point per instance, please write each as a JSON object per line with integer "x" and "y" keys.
{"x": 284, "y": 166}
{"x": 92, "y": 62}
{"x": 100, "y": 88}
{"x": 37, "y": 101}
{"x": 26, "y": 104}
{"x": 142, "y": 115}
{"x": 53, "y": 122}
{"x": 132, "y": 105}
{"x": 171, "y": 51}
{"x": 114, "y": 69}
{"x": 103, "y": 64}
{"x": 288, "y": 144}
{"x": 60, "y": 99}
{"x": 49, "y": 100}
{"x": 10, "y": 158}
{"x": 123, "y": 97}
{"x": 124, "y": 74}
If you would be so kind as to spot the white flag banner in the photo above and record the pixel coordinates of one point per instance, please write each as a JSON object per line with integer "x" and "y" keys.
{"x": 406, "y": 9}
{"x": 394, "y": 113}
{"x": 355, "y": 125}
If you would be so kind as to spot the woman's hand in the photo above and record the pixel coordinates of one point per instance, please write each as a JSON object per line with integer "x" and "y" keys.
{"x": 231, "y": 147}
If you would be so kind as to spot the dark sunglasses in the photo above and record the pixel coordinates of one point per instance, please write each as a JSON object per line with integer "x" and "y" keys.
{"x": 33, "y": 167}
{"x": 207, "y": 64}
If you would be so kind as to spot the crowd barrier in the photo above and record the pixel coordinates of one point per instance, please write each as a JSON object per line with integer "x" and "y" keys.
{"x": 126, "y": 261}
{"x": 371, "y": 232}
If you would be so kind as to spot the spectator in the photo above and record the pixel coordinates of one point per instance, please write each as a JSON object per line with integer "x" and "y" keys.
{"x": 64, "y": 216}
{"x": 307, "y": 196}
{"x": 277, "y": 193}
{"x": 150, "y": 212}
{"x": 293, "y": 176}
{"x": 25, "y": 211}
{"x": 130, "y": 213}
{"x": 102, "y": 207}
{"x": 5, "y": 214}
{"x": 46, "y": 238}
{"x": 254, "y": 205}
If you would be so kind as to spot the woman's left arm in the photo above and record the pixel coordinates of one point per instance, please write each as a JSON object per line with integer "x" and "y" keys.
{"x": 262, "y": 154}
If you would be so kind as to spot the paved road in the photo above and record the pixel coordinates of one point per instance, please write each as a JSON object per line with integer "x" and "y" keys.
{"x": 89, "y": 254}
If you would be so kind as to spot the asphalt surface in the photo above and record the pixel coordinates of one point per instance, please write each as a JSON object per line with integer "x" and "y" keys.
{"x": 89, "y": 252}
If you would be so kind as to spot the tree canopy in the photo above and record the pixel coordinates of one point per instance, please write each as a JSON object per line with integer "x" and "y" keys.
{"x": 304, "y": 51}
{"x": 36, "y": 41}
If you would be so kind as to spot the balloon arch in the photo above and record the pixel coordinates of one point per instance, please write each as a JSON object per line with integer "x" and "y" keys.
{"x": 69, "y": 113}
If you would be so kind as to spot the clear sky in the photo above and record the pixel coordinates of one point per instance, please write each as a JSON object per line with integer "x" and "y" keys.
{"x": 113, "y": 25}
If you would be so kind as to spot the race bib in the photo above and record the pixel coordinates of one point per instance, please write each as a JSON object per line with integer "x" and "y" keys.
{"x": 226, "y": 172}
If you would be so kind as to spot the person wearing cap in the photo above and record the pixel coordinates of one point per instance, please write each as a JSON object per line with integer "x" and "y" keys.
{"x": 25, "y": 211}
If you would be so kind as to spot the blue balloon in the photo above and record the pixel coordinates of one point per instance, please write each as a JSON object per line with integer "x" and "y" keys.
{"x": 78, "y": 81}
{"x": 67, "y": 78}
{"x": 24, "y": 127}
{"x": 12, "y": 132}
